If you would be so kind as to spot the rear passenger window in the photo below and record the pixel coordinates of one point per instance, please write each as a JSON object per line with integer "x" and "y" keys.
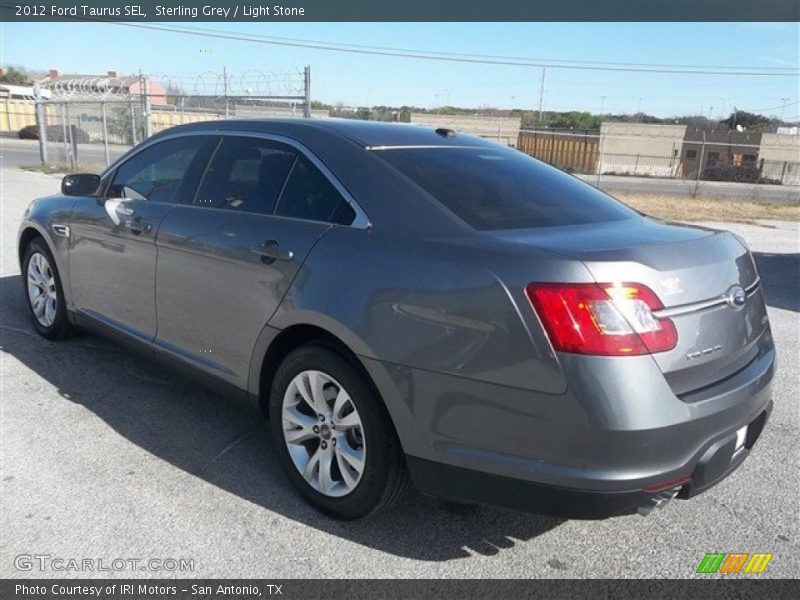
{"x": 246, "y": 174}
{"x": 310, "y": 195}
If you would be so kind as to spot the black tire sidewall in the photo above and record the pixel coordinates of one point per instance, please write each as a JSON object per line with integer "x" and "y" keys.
{"x": 61, "y": 323}
{"x": 380, "y": 456}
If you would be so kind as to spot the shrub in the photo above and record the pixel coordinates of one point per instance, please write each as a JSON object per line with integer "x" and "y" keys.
{"x": 31, "y": 132}
{"x": 737, "y": 173}
{"x": 55, "y": 133}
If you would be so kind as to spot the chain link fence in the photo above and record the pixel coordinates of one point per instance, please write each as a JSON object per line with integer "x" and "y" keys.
{"x": 87, "y": 123}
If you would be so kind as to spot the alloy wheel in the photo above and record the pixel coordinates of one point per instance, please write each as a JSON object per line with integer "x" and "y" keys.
{"x": 42, "y": 293}
{"x": 324, "y": 433}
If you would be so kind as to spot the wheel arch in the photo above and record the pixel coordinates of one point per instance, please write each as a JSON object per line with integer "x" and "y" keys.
{"x": 275, "y": 344}
{"x": 26, "y": 236}
{"x": 284, "y": 341}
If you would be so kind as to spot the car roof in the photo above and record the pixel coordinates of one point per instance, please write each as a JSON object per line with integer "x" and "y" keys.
{"x": 369, "y": 134}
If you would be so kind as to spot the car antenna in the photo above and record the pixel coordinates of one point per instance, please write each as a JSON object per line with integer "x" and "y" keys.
{"x": 445, "y": 132}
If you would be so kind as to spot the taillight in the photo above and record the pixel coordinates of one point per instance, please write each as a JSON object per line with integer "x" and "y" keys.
{"x": 606, "y": 319}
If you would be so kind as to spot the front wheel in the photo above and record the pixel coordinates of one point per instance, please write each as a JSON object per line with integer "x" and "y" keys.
{"x": 44, "y": 291}
{"x": 333, "y": 435}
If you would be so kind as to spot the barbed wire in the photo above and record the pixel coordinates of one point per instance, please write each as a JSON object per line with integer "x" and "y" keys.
{"x": 250, "y": 83}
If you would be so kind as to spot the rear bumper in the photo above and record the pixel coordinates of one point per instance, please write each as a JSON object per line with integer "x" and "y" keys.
{"x": 718, "y": 460}
{"x": 607, "y": 446}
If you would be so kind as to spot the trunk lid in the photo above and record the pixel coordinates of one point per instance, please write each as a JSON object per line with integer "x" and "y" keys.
{"x": 693, "y": 270}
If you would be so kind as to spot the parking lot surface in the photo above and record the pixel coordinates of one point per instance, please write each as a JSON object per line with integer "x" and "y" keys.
{"x": 105, "y": 455}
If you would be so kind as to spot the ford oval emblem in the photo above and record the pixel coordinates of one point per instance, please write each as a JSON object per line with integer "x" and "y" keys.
{"x": 736, "y": 297}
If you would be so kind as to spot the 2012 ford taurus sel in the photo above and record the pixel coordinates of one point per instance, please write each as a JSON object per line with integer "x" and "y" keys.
{"x": 415, "y": 305}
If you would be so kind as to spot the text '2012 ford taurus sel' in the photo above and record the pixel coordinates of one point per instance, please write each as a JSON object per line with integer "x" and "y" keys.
{"x": 410, "y": 305}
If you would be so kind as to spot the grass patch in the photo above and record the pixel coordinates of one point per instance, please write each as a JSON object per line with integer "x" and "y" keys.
{"x": 49, "y": 169}
{"x": 706, "y": 208}
{"x": 62, "y": 168}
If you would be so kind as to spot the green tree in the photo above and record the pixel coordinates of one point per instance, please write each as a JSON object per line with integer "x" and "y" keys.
{"x": 749, "y": 121}
{"x": 15, "y": 76}
{"x": 574, "y": 120}
{"x": 120, "y": 126}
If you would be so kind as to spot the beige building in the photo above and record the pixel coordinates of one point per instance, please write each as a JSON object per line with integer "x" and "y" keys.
{"x": 640, "y": 149}
{"x": 497, "y": 128}
{"x": 780, "y": 154}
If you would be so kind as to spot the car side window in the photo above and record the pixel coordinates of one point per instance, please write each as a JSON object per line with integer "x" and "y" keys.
{"x": 155, "y": 174}
{"x": 247, "y": 174}
{"x": 308, "y": 194}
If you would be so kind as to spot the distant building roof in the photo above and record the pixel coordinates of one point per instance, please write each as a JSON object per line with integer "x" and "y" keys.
{"x": 20, "y": 91}
{"x": 110, "y": 84}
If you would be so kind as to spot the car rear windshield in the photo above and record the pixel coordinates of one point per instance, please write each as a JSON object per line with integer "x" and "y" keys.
{"x": 504, "y": 189}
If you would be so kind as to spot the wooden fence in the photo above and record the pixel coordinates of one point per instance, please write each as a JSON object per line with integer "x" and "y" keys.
{"x": 573, "y": 151}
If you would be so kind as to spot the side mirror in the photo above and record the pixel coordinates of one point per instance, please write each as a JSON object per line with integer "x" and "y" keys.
{"x": 80, "y": 184}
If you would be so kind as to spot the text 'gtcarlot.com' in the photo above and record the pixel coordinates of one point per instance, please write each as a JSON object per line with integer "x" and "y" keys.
{"x": 47, "y": 562}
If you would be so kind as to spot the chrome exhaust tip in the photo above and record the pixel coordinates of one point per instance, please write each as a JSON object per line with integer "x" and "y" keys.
{"x": 659, "y": 500}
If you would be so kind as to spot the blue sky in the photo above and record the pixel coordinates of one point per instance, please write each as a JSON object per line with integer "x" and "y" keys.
{"x": 372, "y": 80}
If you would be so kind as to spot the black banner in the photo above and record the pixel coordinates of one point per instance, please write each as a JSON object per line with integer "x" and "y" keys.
{"x": 374, "y": 589}
{"x": 402, "y": 10}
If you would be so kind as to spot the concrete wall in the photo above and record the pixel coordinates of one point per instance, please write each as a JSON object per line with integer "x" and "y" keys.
{"x": 640, "y": 149}
{"x": 781, "y": 156}
{"x": 16, "y": 114}
{"x": 500, "y": 129}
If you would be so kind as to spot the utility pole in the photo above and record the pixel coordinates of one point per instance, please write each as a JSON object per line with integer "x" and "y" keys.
{"x": 225, "y": 90}
{"x": 602, "y": 104}
{"x": 307, "y": 94}
{"x": 145, "y": 105}
{"x": 41, "y": 121}
{"x": 783, "y": 108}
{"x": 541, "y": 95}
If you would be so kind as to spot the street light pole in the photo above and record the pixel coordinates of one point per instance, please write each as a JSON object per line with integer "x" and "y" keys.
{"x": 783, "y": 108}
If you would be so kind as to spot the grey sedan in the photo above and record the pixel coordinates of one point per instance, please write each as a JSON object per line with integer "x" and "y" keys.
{"x": 415, "y": 305}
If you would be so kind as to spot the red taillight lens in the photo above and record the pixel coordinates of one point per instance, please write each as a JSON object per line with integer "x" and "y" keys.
{"x": 606, "y": 319}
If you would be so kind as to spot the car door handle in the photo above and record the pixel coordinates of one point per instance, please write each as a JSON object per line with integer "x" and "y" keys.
{"x": 271, "y": 251}
{"x": 137, "y": 226}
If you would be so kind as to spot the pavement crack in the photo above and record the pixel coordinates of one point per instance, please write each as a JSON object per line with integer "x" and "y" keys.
{"x": 228, "y": 448}
{"x": 18, "y": 330}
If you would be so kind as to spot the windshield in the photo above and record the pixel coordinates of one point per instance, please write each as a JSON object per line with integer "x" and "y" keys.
{"x": 504, "y": 189}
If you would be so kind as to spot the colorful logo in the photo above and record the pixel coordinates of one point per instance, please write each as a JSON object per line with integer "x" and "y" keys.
{"x": 734, "y": 562}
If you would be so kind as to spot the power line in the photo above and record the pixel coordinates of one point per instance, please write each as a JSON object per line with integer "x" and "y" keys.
{"x": 343, "y": 46}
{"x": 424, "y": 55}
{"x": 755, "y": 110}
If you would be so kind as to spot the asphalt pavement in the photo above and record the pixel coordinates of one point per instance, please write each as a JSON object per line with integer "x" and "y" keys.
{"x": 105, "y": 455}
{"x": 25, "y": 153}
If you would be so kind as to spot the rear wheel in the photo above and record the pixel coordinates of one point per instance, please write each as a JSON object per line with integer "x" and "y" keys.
{"x": 44, "y": 291}
{"x": 333, "y": 435}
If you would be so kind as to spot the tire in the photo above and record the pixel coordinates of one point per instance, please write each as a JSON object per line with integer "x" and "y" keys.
{"x": 383, "y": 479}
{"x": 53, "y": 323}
